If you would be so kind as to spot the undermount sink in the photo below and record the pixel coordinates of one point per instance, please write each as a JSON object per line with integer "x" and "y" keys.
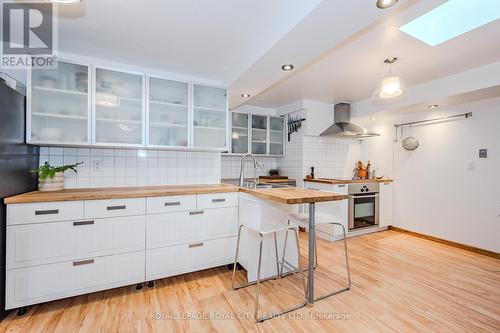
{"x": 263, "y": 185}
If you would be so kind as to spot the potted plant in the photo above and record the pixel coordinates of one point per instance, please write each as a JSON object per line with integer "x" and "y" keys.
{"x": 51, "y": 178}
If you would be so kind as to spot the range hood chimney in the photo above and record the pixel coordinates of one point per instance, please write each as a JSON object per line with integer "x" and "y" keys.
{"x": 342, "y": 126}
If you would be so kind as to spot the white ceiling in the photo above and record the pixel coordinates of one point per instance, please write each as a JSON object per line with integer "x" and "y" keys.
{"x": 351, "y": 72}
{"x": 211, "y": 39}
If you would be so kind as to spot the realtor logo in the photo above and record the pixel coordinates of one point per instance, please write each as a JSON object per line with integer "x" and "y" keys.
{"x": 28, "y": 34}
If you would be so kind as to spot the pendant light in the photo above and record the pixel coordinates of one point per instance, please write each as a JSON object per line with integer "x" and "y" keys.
{"x": 390, "y": 87}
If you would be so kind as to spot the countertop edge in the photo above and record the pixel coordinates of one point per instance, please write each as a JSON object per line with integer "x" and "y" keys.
{"x": 354, "y": 181}
{"x": 117, "y": 193}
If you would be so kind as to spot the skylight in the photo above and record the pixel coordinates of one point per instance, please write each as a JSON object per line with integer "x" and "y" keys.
{"x": 452, "y": 19}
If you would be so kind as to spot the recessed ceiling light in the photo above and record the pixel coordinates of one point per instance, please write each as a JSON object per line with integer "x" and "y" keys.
{"x": 383, "y": 4}
{"x": 64, "y": 2}
{"x": 433, "y": 106}
{"x": 287, "y": 67}
{"x": 245, "y": 95}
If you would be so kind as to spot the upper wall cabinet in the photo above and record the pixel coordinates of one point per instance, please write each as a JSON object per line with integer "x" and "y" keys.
{"x": 119, "y": 115}
{"x": 209, "y": 117}
{"x": 168, "y": 113}
{"x": 59, "y": 105}
{"x": 258, "y": 134}
{"x": 79, "y": 104}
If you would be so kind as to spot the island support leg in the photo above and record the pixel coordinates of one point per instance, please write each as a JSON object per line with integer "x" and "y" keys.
{"x": 312, "y": 244}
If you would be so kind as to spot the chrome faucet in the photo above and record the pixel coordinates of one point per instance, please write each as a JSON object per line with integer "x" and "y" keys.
{"x": 255, "y": 165}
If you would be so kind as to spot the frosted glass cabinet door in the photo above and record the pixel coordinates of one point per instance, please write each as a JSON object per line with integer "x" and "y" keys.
{"x": 239, "y": 133}
{"x": 168, "y": 113}
{"x": 259, "y": 135}
{"x": 276, "y": 136}
{"x": 59, "y": 104}
{"x": 209, "y": 117}
{"x": 118, "y": 107}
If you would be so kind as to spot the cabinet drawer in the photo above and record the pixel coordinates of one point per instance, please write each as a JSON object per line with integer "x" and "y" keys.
{"x": 26, "y": 286}
{"x": 115, "y": 207}
{"x": 43, "y": 243}
{"x": 165, "y": 261}
{"x": 169, "y": 204}
{"x": 217, "y": 200}
{"x": 183, "y": 227}
{"x": 44, "y": 212}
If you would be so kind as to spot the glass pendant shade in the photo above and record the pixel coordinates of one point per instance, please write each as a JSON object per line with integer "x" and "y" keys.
{"x": 389, "y": 88}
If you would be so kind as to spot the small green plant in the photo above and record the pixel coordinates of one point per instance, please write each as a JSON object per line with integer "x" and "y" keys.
{"x": 46, "y": 170}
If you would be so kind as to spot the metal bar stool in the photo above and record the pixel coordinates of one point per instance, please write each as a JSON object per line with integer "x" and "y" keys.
{"x": 302, "y": 220}
{"x": 299, "y": 270}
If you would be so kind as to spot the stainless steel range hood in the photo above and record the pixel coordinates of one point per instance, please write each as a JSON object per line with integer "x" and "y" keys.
{"x": 342, "y": 126}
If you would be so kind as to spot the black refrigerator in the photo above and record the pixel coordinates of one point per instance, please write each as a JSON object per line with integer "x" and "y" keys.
{"x": 16, "y": 159}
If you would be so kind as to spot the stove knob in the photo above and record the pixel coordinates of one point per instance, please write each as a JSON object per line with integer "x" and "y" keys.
{"x": 362, "y": 190}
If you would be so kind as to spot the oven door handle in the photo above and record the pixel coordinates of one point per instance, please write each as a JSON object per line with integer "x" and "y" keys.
{"x": 364, "y": 196}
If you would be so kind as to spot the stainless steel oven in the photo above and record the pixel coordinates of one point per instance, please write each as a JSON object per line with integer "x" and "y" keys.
{"x": 363, "y": 205}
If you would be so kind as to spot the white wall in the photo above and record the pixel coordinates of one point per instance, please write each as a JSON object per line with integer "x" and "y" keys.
{"x": 435, "y": 193}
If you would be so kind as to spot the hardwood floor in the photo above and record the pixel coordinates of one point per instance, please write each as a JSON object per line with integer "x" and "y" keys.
{"x": 401, "y": 283}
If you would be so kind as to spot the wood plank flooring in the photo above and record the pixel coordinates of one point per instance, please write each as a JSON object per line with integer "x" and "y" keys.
{"x": 401, "y": 283}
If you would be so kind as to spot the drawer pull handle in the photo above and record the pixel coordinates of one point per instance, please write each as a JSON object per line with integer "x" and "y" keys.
{"x": 342, "y": 185}
{"x": 47, "y": 212}
{"x": 82, "y": 223}
{"x": 219, "y": 200}
{"x": 195, "y": 245}
{"x": 116, "y": 207}
{"x": 173, "y": 203}
{"x": 196, "y": 213}
{"x": 83, "y": 262}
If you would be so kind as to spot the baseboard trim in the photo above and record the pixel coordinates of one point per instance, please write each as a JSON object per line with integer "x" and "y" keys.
{"x": 447, "y": 242}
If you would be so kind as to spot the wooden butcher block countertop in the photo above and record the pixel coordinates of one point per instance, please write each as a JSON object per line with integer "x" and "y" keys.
{"x": 119, "y": 193}
{"x": 347, "y": 181}
{"x": 290, "y": 195}
{"x": 293, "y": 195}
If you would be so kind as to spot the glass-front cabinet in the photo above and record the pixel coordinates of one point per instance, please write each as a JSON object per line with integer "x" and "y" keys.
{"x": 258, "y": 134}
{"x": 91, "y": 105}
{"x": 168, "y": 106}
{"x": 239, "y": 133}
{"x": 118, "y": 107}
{"x": 209, "y": 117}
{"x": 276, "y": 130}
{"x": 58, "y": 105}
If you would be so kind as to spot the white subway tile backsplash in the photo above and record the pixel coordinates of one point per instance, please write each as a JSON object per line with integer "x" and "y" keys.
{"x": 132, "y": 167}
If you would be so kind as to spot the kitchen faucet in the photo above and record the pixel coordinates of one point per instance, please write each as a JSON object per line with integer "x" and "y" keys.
{"x": 255, "y": 165}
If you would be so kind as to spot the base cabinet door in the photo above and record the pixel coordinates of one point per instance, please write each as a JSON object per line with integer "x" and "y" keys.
{"x": 184, "y": 227}
{"x": 386, "y": 204}
{"x": 45, "y": 243}
{"x": 26, "y": 286}
{"x": 185, "y": 258}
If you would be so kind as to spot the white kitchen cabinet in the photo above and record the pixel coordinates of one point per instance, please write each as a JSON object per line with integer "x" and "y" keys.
{"x": 259, "y": 134}
{"x": 210, "y": 117}
{"x": 276, "y": 136}
{"x": 119, "y": 108}
{"x": 68, "y": 248}
{"x": 39, "y": 212}
{"x": 239, "y": 133}
{"x": 167, "y": 113}
{"x": 37, "y": 284}
{"x": 386, "y": 206}
{"x": 184, "y": 227}
{"x": 185, "y": 258}
{"x": 59, "y": 105}
{"x": 70, "y": 240}
{"x": 84, "y": 105}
